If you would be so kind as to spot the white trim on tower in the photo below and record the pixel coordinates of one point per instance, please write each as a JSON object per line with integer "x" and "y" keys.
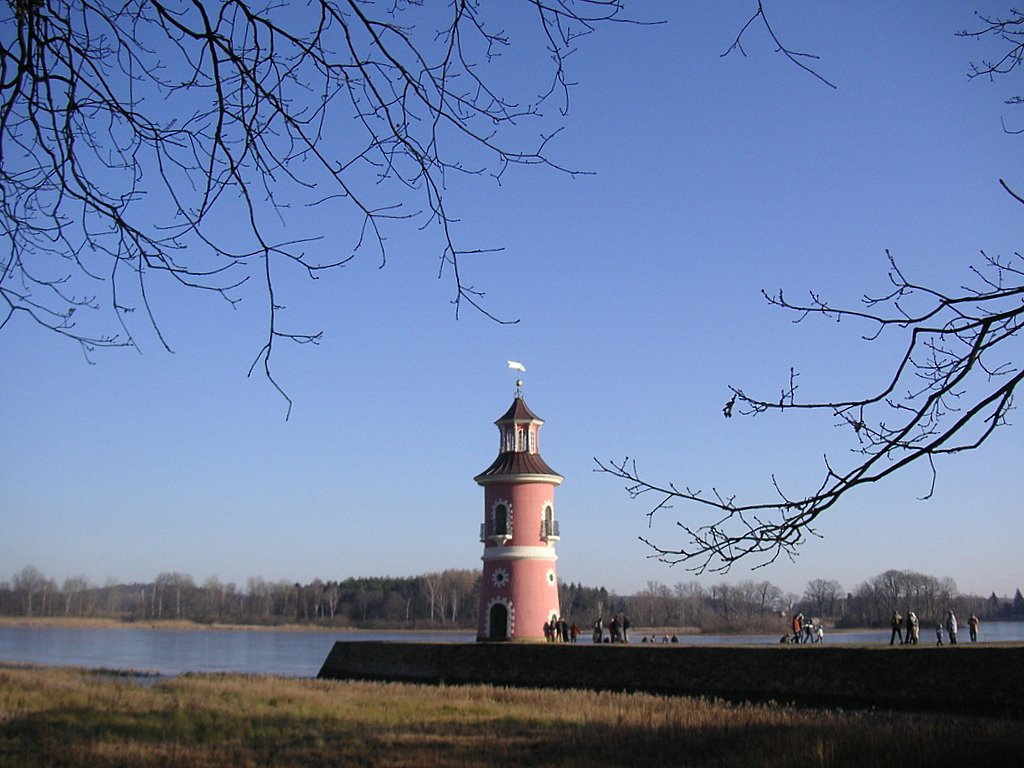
{"x": 519, "y": 553}
{"x": 524, "y": 478}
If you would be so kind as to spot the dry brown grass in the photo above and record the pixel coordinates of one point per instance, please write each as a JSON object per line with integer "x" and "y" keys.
{"x": 67, "y": 717}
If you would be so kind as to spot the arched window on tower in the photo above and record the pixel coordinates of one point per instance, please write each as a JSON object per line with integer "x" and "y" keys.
{"x": 531, "y": 440}
{"x": 500, "y": 521}
{"x": 548, "y": 524}
{"x": 521, "y": 440}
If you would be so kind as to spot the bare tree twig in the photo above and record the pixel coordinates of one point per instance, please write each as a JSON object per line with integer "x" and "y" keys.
{"x": 796, "y": 57}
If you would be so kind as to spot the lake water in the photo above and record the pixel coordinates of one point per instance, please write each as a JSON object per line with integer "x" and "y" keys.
{"x": 298, "y": 654}
{"x": 174, "y": 652}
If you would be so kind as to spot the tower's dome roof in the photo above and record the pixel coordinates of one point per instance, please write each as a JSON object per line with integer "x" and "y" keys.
{"x": 517, "y": 412}
{"x": 517, "y": 463}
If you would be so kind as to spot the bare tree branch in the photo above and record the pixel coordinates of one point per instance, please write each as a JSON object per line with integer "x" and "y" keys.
{"x": 951, "y": 388}
{"x": 132, "y": 130}
{"x": 796, "y": 57}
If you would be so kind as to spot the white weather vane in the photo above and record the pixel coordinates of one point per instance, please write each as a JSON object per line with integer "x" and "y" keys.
{"x": 515, "y": 365}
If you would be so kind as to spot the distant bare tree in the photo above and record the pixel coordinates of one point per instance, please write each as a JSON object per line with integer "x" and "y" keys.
{"x": 213, "y": 594}
{"x": 824, "y": 592}
{"x": 258, "y": 593}
{"x": 331, "y": 592}
{"x": 77, "y": 588}
{"x": 282, "y": 597}
{"x": 434, "y": 593}
{"x": 690, "y": 597}
{"x": 651, "y": 605}
{"x": 928, "y": 596}
{"x": 113, "y": 591}
{"x": 460, "y": 587}
{"x": 28, "y": 581}
{"x": 146, "y": 143}
{"x": 769, "y": 597}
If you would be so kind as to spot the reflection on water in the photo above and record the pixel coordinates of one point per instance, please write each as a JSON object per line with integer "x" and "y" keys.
{"x": 295, "y": 654}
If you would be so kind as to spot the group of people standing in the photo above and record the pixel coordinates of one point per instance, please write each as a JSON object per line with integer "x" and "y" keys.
{"x": 805, "y": 631}
{"x": 906, "y": 629}
{"x": 912, "y": 626}
{"x": 618, "y": 629}
{"x": 558, "y": 630}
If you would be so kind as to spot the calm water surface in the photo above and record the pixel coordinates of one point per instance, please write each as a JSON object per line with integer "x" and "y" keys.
{"x": 174, "y": 652}
{"x": 296, "y": 654}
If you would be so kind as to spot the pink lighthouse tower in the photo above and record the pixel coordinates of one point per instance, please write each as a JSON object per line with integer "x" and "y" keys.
{"x": 519, "y": 587}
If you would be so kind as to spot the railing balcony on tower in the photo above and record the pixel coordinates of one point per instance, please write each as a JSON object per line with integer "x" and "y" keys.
{"x": 549, "y": 530}
{"x": 494, "y": 538}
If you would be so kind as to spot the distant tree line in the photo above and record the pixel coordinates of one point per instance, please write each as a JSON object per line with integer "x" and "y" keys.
{"x": 445, "y": 599}
{"x": 448, "y": 599}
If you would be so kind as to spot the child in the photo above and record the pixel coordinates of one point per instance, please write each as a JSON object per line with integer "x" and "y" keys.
{"x": 938, "y": 634}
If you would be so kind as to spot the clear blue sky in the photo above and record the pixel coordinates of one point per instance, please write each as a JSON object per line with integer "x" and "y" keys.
{"x": 638, "y": 293}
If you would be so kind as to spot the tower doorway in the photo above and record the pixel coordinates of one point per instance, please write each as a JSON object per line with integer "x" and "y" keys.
{"x": 498, "y": 622}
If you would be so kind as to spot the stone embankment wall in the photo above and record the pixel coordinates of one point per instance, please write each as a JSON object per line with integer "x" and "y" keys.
{"x": 977, "y": 679}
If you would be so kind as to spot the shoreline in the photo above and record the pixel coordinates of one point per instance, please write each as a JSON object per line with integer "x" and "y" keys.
{"x": 78, "y": 622}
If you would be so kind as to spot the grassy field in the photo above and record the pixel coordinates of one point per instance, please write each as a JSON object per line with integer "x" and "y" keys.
{"x": 69, "y": 717}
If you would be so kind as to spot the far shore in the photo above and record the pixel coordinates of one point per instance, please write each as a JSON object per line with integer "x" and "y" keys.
{"x": 80, "y": 622}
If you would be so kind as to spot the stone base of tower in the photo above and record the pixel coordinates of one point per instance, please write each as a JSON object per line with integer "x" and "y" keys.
{"x": 516, "y": 598}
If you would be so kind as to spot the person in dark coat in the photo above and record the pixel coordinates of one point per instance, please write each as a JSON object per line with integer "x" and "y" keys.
{"x": 897, "y": 628}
